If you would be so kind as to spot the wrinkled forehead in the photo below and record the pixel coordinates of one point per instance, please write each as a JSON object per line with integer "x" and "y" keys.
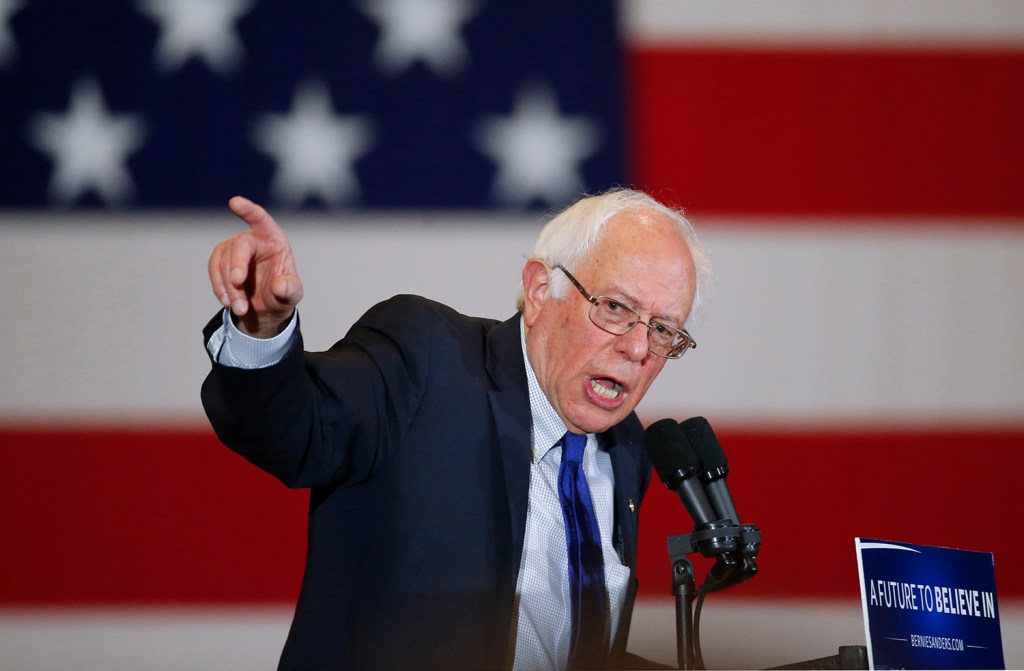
{"x": 643, "y": 240}
{"x": 642, "y": 257}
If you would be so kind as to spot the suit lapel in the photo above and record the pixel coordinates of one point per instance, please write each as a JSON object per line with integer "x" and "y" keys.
{"x": 510, "y": 408}
{"x": 630, "y": 483}
{"x": 618, "y": 444}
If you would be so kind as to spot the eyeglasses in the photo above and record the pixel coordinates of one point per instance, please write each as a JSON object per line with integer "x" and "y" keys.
{"x": 617, "y": 318}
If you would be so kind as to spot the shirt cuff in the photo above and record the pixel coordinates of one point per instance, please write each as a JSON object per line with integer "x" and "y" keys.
{"x": 230, "y": 347}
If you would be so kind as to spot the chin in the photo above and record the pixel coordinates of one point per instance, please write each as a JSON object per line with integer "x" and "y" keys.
{"x": 600, "y": 424}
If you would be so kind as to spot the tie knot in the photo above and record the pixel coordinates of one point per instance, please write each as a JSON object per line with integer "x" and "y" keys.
{"x": 573, "y": 444}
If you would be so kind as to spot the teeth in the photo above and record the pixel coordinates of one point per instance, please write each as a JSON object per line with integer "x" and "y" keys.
{"x": 605, "y": 392}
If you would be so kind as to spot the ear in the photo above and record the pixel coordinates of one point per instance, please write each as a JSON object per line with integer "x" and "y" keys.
{"x": 536, "y": 280}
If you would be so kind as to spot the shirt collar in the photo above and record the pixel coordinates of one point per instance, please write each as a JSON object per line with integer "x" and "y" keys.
{"x": 547, "y": 427}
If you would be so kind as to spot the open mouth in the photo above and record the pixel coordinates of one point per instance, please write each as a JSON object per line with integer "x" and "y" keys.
{"x": 605, "y": 387}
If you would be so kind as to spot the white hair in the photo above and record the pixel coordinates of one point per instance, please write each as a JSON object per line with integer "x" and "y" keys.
{"x": 569, "y": 237}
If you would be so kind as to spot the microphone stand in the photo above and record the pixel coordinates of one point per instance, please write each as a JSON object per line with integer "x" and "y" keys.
{"x": 684, "y": 591}
{"x": 734, "y": 548}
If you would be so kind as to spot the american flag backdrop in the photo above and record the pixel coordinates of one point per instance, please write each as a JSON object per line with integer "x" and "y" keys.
{"x": 854, "y": 167}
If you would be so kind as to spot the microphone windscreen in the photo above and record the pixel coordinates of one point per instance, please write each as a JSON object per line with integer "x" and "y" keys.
{"x": 702, "y": 438}
{"x": 668, "y": 449}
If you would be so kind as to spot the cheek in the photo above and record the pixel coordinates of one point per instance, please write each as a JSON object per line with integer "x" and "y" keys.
{"x": 651, "y": 370}
{"x": 569, "y": 331}
{"x": 574, "y": 356}
{"x": 583, "y": 345}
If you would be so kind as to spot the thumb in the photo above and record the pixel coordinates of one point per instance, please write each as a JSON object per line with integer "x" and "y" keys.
{"x": 287, "y": 289}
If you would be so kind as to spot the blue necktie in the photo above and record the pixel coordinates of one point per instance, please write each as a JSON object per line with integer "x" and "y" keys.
{"x": 586, "y": 563}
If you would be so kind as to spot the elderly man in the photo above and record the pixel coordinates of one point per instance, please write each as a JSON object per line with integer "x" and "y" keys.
{"x": 475, "y": 484}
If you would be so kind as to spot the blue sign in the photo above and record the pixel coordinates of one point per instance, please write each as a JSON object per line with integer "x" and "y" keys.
{"x": 929, "y": 607}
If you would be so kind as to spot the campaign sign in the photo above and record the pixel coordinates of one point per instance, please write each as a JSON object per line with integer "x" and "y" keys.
{"x": 929, "y": 607}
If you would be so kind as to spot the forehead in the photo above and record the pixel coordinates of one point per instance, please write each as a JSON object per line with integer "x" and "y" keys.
{"x": 643, "y": 257}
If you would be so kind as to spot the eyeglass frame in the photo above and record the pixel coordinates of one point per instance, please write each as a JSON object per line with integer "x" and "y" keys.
{"x": 688, "y": 343}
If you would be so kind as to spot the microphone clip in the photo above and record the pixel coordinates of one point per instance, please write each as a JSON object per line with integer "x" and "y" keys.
{"x": 733, "y": 548}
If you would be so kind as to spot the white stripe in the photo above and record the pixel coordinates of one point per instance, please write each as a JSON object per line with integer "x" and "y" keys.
{"x": 893, "y": 23}
{"x": 815, "y": 323}
{"x": 109, "y": 639}
{"x": 830, "y": 324}
{"x": 735, "y": 634}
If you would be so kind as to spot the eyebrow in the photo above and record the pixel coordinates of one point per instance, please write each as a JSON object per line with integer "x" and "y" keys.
{"x": 634, "y": 301}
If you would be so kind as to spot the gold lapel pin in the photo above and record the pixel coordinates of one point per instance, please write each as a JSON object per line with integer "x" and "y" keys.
{"x": 632, "y": 506}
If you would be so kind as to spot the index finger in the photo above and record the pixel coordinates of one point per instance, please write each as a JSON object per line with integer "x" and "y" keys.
{"x": 257, "y": 218}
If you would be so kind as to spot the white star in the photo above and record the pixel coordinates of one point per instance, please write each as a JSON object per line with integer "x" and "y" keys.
{"x": 88, "y": 145}
{"x": 537, "y": 150}
{"x": 197, "y": 28}
{"x": 7, "y": 10}
{"x": 420, "y": 30}
{"x": 314, "y": 148}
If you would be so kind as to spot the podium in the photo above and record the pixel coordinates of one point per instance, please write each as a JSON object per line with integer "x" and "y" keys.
{"x": 848, "y": 657}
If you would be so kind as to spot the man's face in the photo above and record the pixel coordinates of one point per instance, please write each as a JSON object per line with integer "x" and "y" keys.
{"x": 592, "y": 378}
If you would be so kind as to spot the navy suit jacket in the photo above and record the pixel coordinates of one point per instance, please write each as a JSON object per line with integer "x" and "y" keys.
{"x": 413, "y": 433}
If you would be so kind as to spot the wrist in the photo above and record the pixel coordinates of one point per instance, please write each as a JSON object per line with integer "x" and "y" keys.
{"x": 237, "y": 349}
{"x": 262, "y": 327}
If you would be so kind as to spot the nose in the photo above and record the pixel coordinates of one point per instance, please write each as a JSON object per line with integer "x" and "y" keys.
{"x": 633, "y": 345}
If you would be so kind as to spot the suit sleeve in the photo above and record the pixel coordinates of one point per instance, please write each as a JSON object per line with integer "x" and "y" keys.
{"x": 333, "y": 417}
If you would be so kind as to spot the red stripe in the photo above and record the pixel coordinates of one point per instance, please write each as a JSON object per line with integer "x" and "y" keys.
{"x": 137, "y": 517}
{"x": 114, "y": 516}
{"x": 783, "y": 132}
{"x": 811, "y": 494}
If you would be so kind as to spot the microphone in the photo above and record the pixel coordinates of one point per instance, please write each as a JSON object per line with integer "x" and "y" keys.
{"x": 715, "y": 466}
{"x": 678, "y": 466}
